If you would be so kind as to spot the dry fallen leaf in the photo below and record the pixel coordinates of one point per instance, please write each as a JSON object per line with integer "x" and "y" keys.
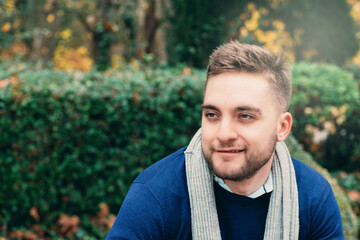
{"x": 11, "y": 80}
{"x": 19, "y": 234}
{"x": 187, "y": 71}
{"x": 110, "y": 221}
{"x": 354, "y": 195}
{"x": 136, "y": 98}
{"x": 104, "y": 210}
{"x": 68, "y": 225}
{"x": 38, "y": 230}
{"x": 34, "y": 213}
{"x": 30, "y": 236}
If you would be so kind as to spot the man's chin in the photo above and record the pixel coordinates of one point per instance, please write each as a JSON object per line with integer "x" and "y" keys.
{"x": 230, "y": 176}
{"x": 225, "y": 168}
{"x": 233, "y": 173}
{"x": 228, "y": 173}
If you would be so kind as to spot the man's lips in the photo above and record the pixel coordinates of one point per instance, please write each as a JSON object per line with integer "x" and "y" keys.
{"x": 229, "y": 150}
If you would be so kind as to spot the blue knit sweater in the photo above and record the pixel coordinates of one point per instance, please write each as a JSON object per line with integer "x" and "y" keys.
{"x": 157, "y": 206}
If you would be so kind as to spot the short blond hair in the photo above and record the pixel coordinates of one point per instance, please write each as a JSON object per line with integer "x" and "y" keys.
{"x": 236, "y": 57}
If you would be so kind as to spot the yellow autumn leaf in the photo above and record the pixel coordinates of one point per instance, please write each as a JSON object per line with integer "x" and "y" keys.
{"x": 66, "y": 34}
{"x": 251, "y": 24}
{"x": 70, "y": 59}
{"x": 9, "y": 4}
{"x": 50, "y": 18}
{"x": 6, "y": 27}
{"x": 279, "y": 25}
{"x": 251, "y": 6}
{"x": 82, "y": 50}
{"x": 135, "y": 64}
{"x": 243, "y": 32}
{"x": 256, "y": 15}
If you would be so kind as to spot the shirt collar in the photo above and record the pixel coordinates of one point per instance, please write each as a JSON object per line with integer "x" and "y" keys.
{"x": 266, "y": 188}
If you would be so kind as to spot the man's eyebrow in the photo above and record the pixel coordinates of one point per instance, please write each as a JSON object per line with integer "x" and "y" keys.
{"x": 237, "y": 109}
{"x": 248, "y": 108}
{"x": 211, "y": 107}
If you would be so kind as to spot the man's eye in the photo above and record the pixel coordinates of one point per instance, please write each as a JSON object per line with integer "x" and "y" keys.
{"x": 246, "y": 116}
{"x": 210, "y": 115}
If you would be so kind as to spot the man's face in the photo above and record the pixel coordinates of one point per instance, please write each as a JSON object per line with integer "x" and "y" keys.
{"x": 240, "y": 123}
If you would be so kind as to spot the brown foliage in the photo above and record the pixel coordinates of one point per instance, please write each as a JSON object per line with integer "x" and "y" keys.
{"x": 34, "y": 213}
{"x": 103, "y": 219}
{"x": 20, "y": 234}
{"x": 68, "y": 225}
{"x": 12, "y": 80}
{"x": 354, "y": 195}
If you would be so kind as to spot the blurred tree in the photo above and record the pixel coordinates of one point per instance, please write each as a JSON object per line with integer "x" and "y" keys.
{"x": 44, "y": 24}
{"x": 37, "y": 26}
{"x": 105, "y": 21}
{"x": 303, "y": 29}
{"x": 257, "y": 25}
{"x": 125, "y": 30}
{"x": 325, "y": 27}
{"x": 197, "y": 27}
{"x": 7, "y": 19}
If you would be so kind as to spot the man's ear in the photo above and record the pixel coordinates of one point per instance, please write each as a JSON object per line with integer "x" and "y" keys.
{"x": 284, "y": 126}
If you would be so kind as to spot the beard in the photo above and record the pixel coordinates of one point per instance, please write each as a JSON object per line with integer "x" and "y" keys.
{"x": 252, "y": 164}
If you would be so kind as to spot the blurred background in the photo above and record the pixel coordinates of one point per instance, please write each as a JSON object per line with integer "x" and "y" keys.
{"x": 92, "y": 92}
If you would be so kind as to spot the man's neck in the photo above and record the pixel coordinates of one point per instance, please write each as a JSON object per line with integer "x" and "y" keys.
{"x": 249, "y": 186}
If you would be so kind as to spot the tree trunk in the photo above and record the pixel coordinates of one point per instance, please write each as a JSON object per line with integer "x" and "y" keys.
{"x": 54, "y": 29}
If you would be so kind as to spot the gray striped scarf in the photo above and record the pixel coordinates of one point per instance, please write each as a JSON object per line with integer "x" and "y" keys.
{"x": 282, "y": 220}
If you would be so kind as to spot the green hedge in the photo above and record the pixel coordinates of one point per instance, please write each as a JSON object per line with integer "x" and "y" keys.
{"x": 350, "y": 222}
{"x": 71, "y": 141}
{"x": 325, "y": 106}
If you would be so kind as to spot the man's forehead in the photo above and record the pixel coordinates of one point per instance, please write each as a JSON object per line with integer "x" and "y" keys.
{"x": 238, "y": 91}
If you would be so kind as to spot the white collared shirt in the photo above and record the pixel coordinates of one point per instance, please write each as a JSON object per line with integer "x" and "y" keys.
{"x": 266, "y": 188}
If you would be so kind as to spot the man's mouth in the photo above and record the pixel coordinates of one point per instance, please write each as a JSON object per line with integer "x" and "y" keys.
{"x": 230, "y": 151}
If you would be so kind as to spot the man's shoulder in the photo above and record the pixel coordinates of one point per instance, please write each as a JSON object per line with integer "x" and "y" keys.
{"x": 311, "y": 184}
{"x": 307, "y": 175}
{"x": 165, "y": 169}
{"x": 318, "y": 209}
{"x": 157, "y": 204}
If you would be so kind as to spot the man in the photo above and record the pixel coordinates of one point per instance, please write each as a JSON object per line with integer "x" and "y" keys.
{"x": 236, "y": 179}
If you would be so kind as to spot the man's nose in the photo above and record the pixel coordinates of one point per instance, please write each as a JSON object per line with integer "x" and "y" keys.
{"x": 227, "y": 131}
